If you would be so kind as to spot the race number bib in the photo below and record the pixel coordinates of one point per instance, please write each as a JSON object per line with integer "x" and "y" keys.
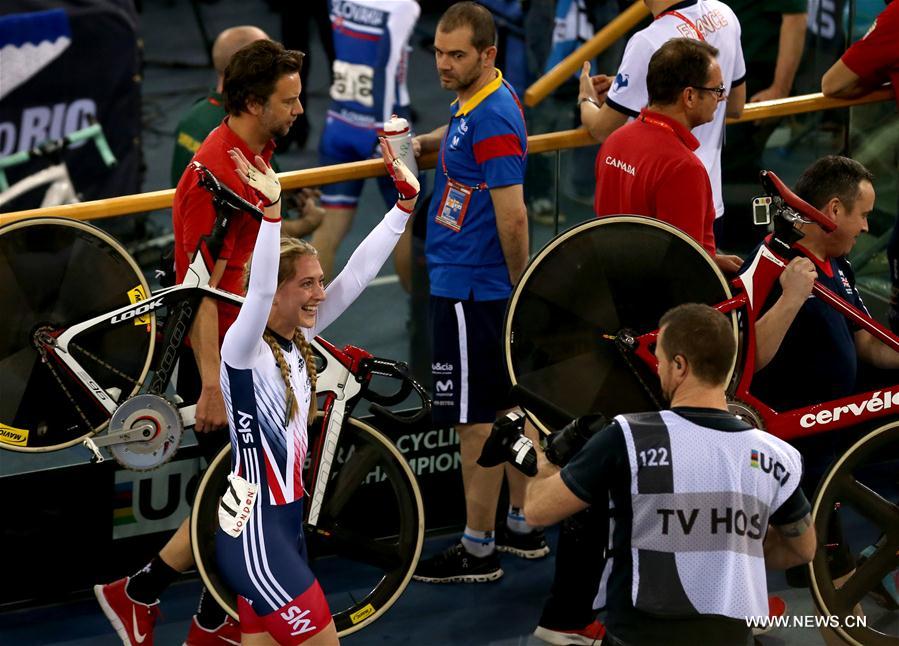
{"x": 353, "y": 83}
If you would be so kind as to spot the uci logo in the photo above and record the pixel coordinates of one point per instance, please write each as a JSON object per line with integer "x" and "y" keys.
{"x": 759, "y": 460}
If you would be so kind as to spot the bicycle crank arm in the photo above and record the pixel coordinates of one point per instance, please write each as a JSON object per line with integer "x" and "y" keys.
{"x": 140, "y": 433}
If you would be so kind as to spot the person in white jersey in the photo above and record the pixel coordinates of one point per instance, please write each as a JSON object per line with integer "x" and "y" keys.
{"x": 707, "y": 20}
{"x": 700, "y": 503}
{"x": 268, "y": 382}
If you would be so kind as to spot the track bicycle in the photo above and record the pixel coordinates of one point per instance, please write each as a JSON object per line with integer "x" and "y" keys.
{"x": 79, "y": 334}
{"x": 77, "y": 345}
{"x": 579, "y": 337}
{"x": 60, "y": 189}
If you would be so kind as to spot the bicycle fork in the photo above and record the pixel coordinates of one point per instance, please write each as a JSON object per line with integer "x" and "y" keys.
{"x": 342, "y": 387}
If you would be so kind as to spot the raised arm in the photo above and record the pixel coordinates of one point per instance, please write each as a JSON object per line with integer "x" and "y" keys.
{"x": 598, "y": 118}
{"x": 370, "y": 256}
{"x": 242, "y": 338}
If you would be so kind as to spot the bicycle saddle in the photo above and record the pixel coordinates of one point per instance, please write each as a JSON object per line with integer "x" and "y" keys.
{"x": 774, "y": 187}
{"x": 222, "y": 193}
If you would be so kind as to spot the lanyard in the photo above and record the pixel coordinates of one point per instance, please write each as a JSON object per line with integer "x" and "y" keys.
{"x": 482, "y": 185}
{"x": 656, "y": 122}
{"x": 686, "y": 20}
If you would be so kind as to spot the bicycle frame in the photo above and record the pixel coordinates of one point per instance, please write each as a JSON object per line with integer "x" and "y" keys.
{"x": 181, "y": 300}
{"x": 753, "y": 287}
{"x": 343, "y": 380}
{"x": 61, "y": 189}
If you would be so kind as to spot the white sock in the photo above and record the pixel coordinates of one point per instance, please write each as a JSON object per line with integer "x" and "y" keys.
{"x": 478, "y": 543}
{"x": 515, "y": 521}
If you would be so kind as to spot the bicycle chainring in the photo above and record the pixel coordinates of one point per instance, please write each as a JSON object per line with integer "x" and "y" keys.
{"x": 746, "y": 413}
{"x": 146, "y": 455}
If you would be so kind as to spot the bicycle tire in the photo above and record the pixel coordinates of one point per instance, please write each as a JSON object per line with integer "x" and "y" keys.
{"x": 60, "y": 272}
{"x": 601, "y": 277}
{"x": 837, "y": 486}
{"x": 409, "y": 524}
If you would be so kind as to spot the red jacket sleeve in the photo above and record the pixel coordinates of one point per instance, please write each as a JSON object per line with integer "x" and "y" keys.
{"x": 873, "y": 56}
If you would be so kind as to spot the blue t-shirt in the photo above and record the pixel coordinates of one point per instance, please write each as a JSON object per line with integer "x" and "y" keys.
{"x": 817, "y": 360}
{"x": 485, "y": 147}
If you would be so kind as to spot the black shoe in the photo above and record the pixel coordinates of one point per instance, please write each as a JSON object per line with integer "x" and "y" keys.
{"x": 456, "y": 565}
{"x": 527, "y": 546}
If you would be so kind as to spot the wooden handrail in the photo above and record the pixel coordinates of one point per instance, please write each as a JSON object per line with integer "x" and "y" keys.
{"x": 571, "y": 64}
{"x": 124, "y": 205}
{"x": 806, "y": 103}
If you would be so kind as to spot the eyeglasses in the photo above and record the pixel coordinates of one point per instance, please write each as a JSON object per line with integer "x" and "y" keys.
{"x": 720, "y": 92}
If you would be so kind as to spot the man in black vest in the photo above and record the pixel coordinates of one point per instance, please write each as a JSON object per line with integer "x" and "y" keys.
{"x": 701, "y": 503}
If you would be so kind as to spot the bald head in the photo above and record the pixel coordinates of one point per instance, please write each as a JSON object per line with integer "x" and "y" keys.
{"x": 230, "y": 41}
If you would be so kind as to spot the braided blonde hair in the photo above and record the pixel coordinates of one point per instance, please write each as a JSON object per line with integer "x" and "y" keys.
{"x": 291, "y": 250}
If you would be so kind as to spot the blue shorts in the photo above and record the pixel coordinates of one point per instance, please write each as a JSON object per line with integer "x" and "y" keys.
{"x": 343, "y": 142}
{"x": 267, "y": 564}
{"x": 470, "y": 381}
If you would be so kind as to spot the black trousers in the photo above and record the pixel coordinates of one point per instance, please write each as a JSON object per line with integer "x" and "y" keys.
{"x": 580, "y": 559}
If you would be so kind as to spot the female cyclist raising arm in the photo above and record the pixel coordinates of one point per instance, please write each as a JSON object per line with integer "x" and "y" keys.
{"x": 268, "y": 382}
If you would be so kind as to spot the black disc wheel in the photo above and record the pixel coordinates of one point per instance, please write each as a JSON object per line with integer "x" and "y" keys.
{"x": 54, "y": 274}
{"x": 858, "y": 496}
{"x": 366, "y": 543}
{"x": 591, "y": 283}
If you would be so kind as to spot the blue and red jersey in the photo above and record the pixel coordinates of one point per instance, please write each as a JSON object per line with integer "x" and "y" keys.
{"x": 485, "y": 147}
{"x": 369, "y": 72}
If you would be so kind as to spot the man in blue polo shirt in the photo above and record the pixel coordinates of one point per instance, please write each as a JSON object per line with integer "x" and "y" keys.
{"x": 477, "y": 248}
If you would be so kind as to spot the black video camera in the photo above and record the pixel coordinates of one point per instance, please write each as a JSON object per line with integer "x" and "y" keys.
{"x": 507, "y": 442}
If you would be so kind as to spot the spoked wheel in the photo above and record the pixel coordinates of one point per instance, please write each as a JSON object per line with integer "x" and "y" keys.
{"x": 55, "y": 273}
{"x": 368, "y": 538}
{"x": 861, "y": 487}
{"x": 587, "y": 285}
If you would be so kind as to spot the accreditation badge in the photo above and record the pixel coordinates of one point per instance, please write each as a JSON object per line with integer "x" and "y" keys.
{"x": 453, "y": 205}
